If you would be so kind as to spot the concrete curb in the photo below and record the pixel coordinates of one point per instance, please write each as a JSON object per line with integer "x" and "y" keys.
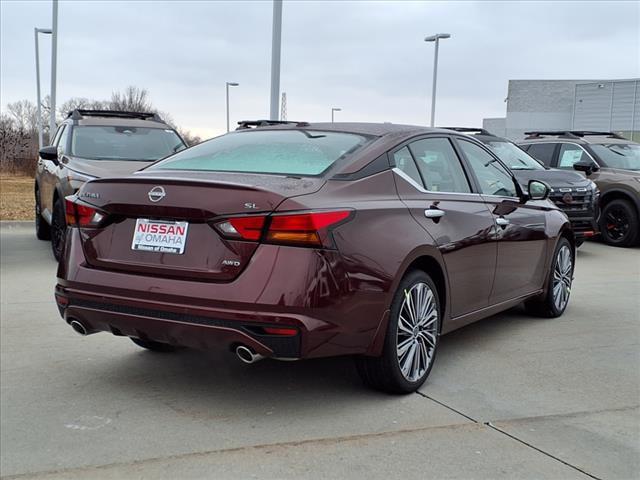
{"x": 16, "y": 224}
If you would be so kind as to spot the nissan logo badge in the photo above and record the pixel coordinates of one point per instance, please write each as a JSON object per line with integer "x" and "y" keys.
{"x": 156, "y": 194}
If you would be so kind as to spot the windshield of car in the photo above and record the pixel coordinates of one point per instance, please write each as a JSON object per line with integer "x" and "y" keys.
{"x": 514, "y": 157}
{"x": 286, "y": 152}
{"x": 95, "y": 142}
{"x": 619, "y": 155}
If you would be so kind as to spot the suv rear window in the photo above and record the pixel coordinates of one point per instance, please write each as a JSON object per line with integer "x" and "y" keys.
{"x": 286, "y": 152}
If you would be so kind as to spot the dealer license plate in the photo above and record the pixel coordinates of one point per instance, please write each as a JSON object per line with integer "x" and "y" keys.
{"x": 159, "y": 236}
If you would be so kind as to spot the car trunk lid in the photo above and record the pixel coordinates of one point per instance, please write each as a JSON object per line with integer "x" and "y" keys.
{"x": 186, "y": 204}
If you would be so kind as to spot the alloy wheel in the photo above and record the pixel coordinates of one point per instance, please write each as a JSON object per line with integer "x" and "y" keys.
{"x": 617, "y": 223}
{"x": 562, "y": 273}
{"x": 417, "y": 332}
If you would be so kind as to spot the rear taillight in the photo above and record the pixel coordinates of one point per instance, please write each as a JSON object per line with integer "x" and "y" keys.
{"x": 242, "y": 228}
{"x": 81, "y": 214}
{"x": 305, "y": 229}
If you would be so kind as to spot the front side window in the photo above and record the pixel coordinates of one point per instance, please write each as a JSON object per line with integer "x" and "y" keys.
{"x": 619, "y": 155}
{"x": 439, "y": 166}
{"x": 95, "y": 142}
{"x": 63, "y": 140}
{"x": 570, "y": 154}
{"x": 285, "y": 152}
{"x": 56, "y": 137}
{"x": 513, "y": 157}
{"x": 492, "y": 177}
{"x": 542, "y": 152}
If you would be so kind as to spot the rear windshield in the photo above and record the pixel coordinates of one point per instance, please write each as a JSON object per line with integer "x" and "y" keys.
{"x": 286, "y": 152}
{"x": 124, "y": 143}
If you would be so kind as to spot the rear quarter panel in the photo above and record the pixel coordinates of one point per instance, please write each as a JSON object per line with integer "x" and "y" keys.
{"x": 377, "y": 246}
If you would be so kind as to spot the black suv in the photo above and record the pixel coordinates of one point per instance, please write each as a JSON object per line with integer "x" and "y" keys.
{"x": 570, "y": 191}
{"x": 91, "y": 144}
{"x": 611, "y": 161}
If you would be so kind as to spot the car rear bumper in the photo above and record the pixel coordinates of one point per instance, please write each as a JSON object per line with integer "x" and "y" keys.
{"x": 311, "y": 294}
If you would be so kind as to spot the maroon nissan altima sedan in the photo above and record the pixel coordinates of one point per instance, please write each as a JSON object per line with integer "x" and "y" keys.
{"x": 294, "y": 240}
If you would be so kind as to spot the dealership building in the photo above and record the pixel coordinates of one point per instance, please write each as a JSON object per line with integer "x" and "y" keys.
{"x": 596, "y": 105}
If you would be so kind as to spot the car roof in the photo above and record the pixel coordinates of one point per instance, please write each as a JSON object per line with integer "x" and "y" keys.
{"x": 363, "y": 128}
{"x": 594, "y": 138}
{"x": 119, "y": 122}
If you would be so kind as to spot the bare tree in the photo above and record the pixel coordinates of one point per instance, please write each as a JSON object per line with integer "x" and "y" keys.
{"x": 133, "y": 99}
{"x": 17, "y": 146}
{"x": 189, "y": 138}
{"x": 80, "y": 102}
{"x": 25, "y": 115}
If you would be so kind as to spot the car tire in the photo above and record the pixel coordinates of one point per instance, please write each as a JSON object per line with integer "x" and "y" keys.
{"x": 619, "y": 224}
{"x": 58, "y": 230}
{"x": 417, "y": 336}
{"x": 554, "y": 301}
{"x": 154, "y": 346}
{"x": 43, "y": 231}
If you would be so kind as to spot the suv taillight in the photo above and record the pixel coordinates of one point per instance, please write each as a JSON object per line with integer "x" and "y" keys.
{"x": 82, "y": 215}
{"x": 302, "y": 229}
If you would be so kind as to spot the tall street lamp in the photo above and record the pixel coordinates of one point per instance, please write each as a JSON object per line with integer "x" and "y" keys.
{"x": 276, "y": 46}
{"x": 54, "y": 53}
{"x": 36, "y": 31}
{"x": 334, "y": 110}
{"x": 229, "y": 84}
{"x": 435, "y": 38}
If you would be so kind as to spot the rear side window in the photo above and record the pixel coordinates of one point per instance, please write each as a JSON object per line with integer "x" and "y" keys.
{"x": 542, "y": 152}
{"x": 404, "y": 161}
{"x": 286, "y": 152}
{"x": 570, "y": 154}
{"x": 440, "y": 166}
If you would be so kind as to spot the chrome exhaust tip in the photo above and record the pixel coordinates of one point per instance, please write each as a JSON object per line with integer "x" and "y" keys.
{"x": 247, "y": 355}
{"x": 78, "y": 328}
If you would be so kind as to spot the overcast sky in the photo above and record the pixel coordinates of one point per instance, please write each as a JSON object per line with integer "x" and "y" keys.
{"x": 368, "y": 58}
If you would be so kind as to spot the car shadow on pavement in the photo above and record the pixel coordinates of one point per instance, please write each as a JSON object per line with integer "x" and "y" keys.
{"x": 220, "y": 378}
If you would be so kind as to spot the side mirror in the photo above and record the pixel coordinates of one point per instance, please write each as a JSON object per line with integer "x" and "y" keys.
{"x": 49, "y": 153}
{"x": 586, "y": 166}
{"x": 538, "y": 190}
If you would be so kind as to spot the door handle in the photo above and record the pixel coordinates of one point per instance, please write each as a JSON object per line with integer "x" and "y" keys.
{"x": 433, "y": 213}
{"x": 503, "y": 222}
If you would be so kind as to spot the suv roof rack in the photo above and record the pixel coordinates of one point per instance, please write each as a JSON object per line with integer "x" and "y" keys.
{"x": 571, "y": 134}
{"x": 478, "y": 131}
{"x": 244, "y": 124}
{"x": 80, "y": 113}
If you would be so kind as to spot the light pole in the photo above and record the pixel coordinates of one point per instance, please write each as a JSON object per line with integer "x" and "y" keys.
{"x": 36, "y": 31}
{"x": 435, "y": 38}
{"x": 54, "y": 52}
{"x": 229, "y": 84}
{"x": 276, "y": 44}
{"x": 334, "y": 110}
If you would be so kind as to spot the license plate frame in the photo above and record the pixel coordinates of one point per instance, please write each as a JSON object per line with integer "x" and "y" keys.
{"x": 160, "y": 236}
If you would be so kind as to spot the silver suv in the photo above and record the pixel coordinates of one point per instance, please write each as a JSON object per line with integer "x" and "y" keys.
{"x": 93, "y": 144}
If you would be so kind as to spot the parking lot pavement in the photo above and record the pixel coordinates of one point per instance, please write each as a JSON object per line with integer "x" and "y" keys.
{"x": 509, "y": 397}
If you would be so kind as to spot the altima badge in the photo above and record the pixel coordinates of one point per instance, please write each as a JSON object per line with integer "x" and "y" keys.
{"x": 156, "y": 194}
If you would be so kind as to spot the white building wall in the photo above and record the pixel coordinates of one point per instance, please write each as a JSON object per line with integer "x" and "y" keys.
{"x": 602, "y": 105}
